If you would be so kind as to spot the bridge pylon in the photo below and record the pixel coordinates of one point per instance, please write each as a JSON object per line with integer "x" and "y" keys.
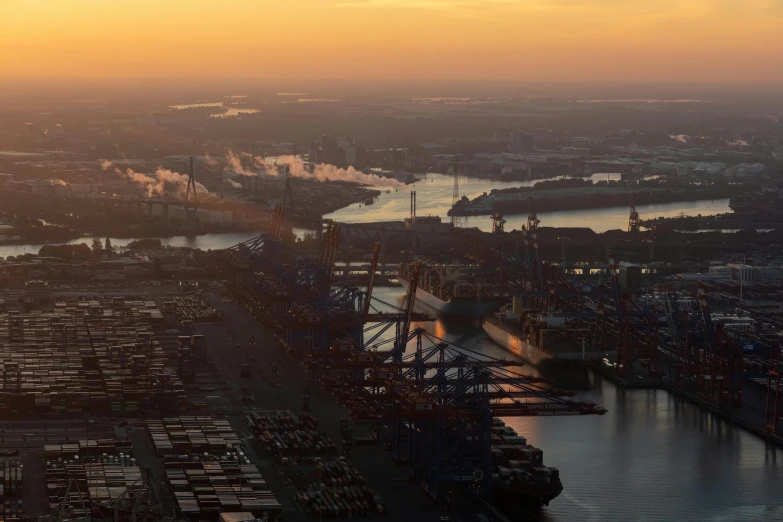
{"x": 191, "y": 201}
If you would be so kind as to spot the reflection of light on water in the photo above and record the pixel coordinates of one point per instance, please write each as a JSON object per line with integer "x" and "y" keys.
{"x": 196, "y": 105}
{"x": 649, "y": 445}
{"x": 232, "y": 112}
{"x": 433, "y": 198}
{"x": 603, "y": 219}
{"x": 440, "y": 329}
{"x": 434, "y": 195}
{"x": 722, "y": 230}
{"x": 204, "y": 242}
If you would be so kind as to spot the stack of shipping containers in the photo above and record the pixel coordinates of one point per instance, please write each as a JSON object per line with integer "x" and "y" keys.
{"x": 84, "y": 356}
{"x": 207, "y": 469}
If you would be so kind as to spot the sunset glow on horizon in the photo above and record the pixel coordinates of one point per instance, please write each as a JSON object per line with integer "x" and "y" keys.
{"x": 720, "y": 41}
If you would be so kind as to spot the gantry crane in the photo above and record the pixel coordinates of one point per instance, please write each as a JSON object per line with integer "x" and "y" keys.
{"x": 721, "y": 363}
{"x": 637, "y": 329}
{"x": 498, "y": 223}
{"x": 437, "y": 405}
{"x": 376, "y": 252}
{"x": 773, "y": 414}
{"x": 634, "y": 223}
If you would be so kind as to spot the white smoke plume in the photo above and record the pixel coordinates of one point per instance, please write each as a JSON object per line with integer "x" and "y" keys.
{"x": 326, "y": 172}
{"x": 176, "y": 179}
{"x": 233, "y": 183}
{"x": 106, "y": 165}
{"x": 165, "y": 183}
{"x": 235, "y": 164}
{"x": 210, "y": 161}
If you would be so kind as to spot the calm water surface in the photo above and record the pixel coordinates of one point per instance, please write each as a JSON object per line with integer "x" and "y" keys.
{"x": 204, "y": 242}
{"x": 652, "y": 457}
{"x": 434, "y": 195}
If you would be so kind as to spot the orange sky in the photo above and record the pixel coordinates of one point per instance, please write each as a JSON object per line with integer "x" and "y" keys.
{"x": 727, "y": 41}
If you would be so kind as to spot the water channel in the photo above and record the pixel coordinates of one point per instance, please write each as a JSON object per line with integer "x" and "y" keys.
{"x": 434, "y": 195}
{"x": 652, "y": 457}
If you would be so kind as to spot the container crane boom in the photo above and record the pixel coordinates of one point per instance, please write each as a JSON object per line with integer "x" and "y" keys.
{"x": 410, "y": 300}
{"x": 371, "y": 282}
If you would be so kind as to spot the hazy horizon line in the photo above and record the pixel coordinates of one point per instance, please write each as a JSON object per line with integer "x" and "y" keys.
{"x": 346, "y": 79}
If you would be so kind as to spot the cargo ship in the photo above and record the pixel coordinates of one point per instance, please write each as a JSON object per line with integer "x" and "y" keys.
{"x": 520, "y": 481}
{"x": 547, "y": 340}
{"x": 459, "y": 290}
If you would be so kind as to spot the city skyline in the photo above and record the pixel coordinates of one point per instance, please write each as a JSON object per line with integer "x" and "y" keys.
{"x": 727, "y": 41}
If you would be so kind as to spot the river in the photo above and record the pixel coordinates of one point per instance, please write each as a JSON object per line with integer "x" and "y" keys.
{"x": 433, "y": 197}
{"x": 652, "y": 457}
{"x": 204, "y": 242}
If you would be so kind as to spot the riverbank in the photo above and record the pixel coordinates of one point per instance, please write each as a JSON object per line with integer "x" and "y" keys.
{"x": 578, "y": 195}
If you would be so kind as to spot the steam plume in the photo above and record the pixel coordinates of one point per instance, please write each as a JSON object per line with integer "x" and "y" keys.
{"x": 233, "y": 183}
{"x": 235, "y": 163}
{"x": 165, "y": 183}
{"x": 326, "y": 172}
{"x": 105, "y": 165}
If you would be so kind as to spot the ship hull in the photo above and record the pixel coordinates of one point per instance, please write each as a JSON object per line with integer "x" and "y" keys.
{"x": 529, "y": 351}
{"x": 516, "y": 504}
{"x": 455, "y": 308}
{"x": 566, "y": 369}
{"x": 514, "y": 344}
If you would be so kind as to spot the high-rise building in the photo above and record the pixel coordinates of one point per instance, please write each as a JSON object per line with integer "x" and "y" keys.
{"x": 340, "y": 151}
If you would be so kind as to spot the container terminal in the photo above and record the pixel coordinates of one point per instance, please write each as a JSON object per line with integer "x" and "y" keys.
{"x": 288, "y": 389}
{"x": 262, "y": 398}
{"x": 710, "y": 335}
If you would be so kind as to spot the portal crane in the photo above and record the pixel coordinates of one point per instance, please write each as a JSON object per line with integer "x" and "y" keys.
{"x": 410, "y": 300}
{"x": 633, "y": 342}
{"x": 438, "y": 404}
{"x": 773, "y": 414}
{"x": 376, "y": 251}
{"x": 537, "y": 271}
{"x": 721, "y": 369}
{"x": 498, "y": 223}
{"x": 634, "y": 223}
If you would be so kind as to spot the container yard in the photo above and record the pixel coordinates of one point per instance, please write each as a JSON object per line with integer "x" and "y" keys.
{"x": 340, "y": 493}
{"x": 208, "y": 484}
{"x": 101, "y": 357}
{"x": 11, "y": 484}
{"x": 289, "y": 437}
{"x": 190, "y": 308}
{"x": 97, "y": 357}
